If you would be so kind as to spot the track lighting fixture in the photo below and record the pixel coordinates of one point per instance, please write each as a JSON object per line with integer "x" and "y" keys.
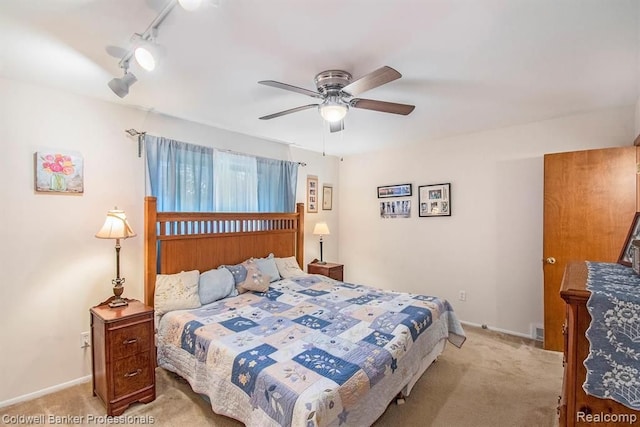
{"x": 120, "y": 86}
{"x": 145, "y": 51}
{"x": 190, "y": 4}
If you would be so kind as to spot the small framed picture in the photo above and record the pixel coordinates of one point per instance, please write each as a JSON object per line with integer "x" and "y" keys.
{"x": 399, "y": 190}
{"x": 327, "y": 197}
{"x": 434, "y": 200}
{"x": 312, "y": 193}
{"x": 626, "y": 256}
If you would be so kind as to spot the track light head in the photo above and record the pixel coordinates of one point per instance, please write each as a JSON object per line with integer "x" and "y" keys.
{"x": 190, "y": 5}
{"x": 120, "y": 85}
{"x": 146, "y": 52}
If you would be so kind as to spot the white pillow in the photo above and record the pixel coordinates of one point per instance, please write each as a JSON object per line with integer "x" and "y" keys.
{"x": 288, "y": 267}
{"x": 176, "y": 291}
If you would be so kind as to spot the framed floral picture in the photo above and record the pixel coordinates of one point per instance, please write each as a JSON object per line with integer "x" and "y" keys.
{"x": 58, "y": 172}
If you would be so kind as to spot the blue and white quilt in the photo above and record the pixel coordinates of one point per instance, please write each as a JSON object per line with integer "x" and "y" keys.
{"x": 311, "y": 351}
{"x": 613, "y": 364}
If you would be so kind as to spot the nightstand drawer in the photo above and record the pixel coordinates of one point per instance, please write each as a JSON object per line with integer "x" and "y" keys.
{"x": 132, "y": 374}
{"x": 130, "y": 340}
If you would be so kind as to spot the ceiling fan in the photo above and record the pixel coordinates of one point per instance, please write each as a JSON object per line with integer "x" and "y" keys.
{"x": 337, "y": 92}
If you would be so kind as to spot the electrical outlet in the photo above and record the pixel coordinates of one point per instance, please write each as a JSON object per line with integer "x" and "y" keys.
{"x": 462, "y": 296}
{"x": 85, "y": 340}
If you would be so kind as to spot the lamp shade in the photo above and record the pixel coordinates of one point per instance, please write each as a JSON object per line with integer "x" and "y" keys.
{"x": 115, "y": 226}
{"x": 321, "y": 229}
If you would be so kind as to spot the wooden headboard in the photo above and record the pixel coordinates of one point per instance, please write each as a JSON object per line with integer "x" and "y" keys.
{"x": 183, "y": 241}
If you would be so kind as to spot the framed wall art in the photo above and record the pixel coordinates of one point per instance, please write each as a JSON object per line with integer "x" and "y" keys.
{"x": 312, "y": 193}
{"x": 395, "y": 209}
{"x": 327, "y": 197}
{"x": 59, "y": 172}
{"x": 399, "y": 190}
{"x": 626, "y": 256}
{"x": 434, "y": 200}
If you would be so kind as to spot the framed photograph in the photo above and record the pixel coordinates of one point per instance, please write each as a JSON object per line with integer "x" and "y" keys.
{"x": 399, "y": 190}
{"x": 312, "y": 193}
{"x": 626, "y": 256}
{"x": 327, "y": 197}
{"x": 434, "y": 200}
{"x": 58, "y": 172}
{"x": 395, "y": 209}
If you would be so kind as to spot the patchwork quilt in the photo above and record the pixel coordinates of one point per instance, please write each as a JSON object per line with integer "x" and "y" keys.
{"x": 311, "y": 351}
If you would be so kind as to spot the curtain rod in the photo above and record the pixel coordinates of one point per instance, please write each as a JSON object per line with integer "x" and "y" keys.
{"x": 140, "y": 135}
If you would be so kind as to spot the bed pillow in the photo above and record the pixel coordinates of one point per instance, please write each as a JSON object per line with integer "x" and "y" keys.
{"x": 238, "y": 271}
{"x": 288, "y": 267}
{"x": 214, "y": 285}
{"x": 255, "y": 279}
{"x": 268, "y": 266}
{"x": 176, "y": 291}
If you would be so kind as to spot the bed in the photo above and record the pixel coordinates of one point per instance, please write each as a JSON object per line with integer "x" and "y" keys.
{"x": 307, "y": 350}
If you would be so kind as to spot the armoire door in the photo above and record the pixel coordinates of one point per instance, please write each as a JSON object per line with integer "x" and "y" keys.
{"x": 589, "y": 204}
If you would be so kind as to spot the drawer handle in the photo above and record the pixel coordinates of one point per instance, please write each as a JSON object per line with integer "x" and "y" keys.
{"x": 133, "y": 374}
{"x": 130, "y": 341}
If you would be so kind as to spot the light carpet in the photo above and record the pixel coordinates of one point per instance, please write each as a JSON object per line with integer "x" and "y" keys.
{"x": 493, "y": 380}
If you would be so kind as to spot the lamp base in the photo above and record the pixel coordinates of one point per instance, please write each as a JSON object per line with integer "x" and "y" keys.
{"x": 118, "y": 302}
{"x": 321, "y": 262}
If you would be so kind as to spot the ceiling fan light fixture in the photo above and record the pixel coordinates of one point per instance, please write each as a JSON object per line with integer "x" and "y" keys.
{"x": 333, "y": 112}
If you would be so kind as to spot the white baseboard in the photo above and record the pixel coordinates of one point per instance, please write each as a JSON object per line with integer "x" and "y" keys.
{"x": 491, "y": 328}
{"x": 44, "y": 391}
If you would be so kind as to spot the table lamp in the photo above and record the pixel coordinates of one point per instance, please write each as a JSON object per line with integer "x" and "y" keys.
{"x": 321, "y": 229}
{"x": 116, "y": 227}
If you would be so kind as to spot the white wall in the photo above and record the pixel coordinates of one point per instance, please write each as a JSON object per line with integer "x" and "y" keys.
{"x": 53, "y": 267}
{"x": 491, "y": 246}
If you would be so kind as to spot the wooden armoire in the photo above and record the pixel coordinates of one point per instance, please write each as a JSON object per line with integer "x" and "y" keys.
{"x": 590, "y": 199}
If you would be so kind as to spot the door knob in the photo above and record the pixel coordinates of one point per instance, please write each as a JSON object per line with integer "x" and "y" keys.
{"x": 550, "y": 260}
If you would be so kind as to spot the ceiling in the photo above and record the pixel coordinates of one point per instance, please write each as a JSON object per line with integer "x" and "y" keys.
{"x": 467, "y": 65}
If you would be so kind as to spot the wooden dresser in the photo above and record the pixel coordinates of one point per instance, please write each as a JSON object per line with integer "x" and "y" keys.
{"x": 575, "y": 405}
{"x": 123, "y": 355}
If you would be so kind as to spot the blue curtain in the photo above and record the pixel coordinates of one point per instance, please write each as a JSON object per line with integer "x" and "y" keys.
{"x": 277, "y": 181}
{"x": 179, "y": 175}
{"x": 192, "y": 178}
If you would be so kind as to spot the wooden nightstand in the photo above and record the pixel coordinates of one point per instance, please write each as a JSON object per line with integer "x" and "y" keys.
{"x": 335, "y": 271}
{"x": 123, "y": 355}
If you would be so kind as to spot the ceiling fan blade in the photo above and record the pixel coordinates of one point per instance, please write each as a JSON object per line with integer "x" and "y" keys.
{"x": 336, "y": 126}
{"x": 385, "y": 107}
{"x": 297, "y": 89}
{"x": 372, "y": 80}
{"x": 285, "y": 112}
